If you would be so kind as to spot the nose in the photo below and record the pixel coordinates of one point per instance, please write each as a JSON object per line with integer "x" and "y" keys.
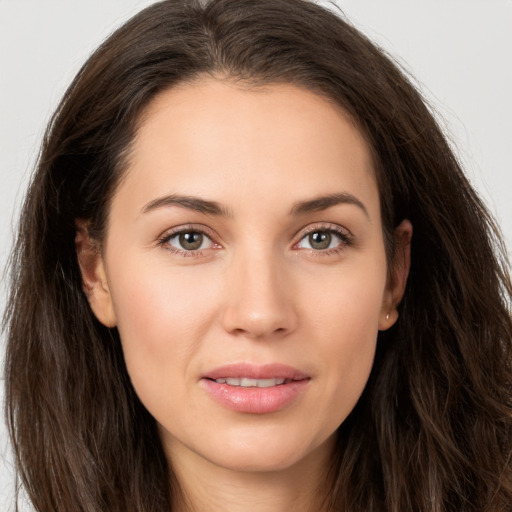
{"x": 259, "y": 298}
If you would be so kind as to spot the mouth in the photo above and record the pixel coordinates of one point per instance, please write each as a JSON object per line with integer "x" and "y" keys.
{"x": 246, "y": 382}
{"x": 255, "y": 389}
{"x": 252, "y": 375}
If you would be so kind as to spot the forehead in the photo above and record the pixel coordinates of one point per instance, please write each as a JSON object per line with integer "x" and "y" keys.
{"x": 279, "y": 141}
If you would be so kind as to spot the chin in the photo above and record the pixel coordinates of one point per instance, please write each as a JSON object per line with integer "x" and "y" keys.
{"x": 258, "y": 462}
{"x": 267, "y": 453}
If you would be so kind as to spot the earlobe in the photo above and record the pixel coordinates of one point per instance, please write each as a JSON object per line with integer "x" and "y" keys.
{"x": 397, "y": 275}
{"x": 94, "y": 278}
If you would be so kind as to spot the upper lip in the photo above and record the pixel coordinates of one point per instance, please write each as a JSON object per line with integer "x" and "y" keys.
{"x": 255, "y": 371}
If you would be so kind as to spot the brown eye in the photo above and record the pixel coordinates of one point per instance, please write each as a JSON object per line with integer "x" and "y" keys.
{"x": 191, "y": 241}
{"x": 324, "y": 240}
{"x": 320, "y": 240}
{"x": 188, "y": 241}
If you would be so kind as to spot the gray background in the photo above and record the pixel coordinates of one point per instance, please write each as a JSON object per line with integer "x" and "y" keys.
{"x": 459, "y": 51}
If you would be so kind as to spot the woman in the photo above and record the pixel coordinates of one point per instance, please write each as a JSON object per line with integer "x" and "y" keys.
{"x": 250, "y": 273}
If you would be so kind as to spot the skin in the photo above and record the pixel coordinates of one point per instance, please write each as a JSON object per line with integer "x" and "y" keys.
{"x": 257, "y": 292}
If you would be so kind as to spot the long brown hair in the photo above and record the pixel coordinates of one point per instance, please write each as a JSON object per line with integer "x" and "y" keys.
{"x": 433, "y": 428}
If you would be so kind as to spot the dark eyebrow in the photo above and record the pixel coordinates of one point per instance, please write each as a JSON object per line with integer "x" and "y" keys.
{"x": 190, "y": 202}
{"x": 323, "y": 202}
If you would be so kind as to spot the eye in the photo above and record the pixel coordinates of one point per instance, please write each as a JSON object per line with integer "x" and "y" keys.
{"x": 188, "y": 241}
{"x": 324, "y": 240}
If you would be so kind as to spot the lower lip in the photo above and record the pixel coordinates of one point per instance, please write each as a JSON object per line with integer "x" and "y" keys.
{"x": 255, "y": 400}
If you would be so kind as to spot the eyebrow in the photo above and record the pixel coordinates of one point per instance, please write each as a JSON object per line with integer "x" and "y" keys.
{"x": 190, "y": 202}
{"x": 324, "y": 202}
{"x": 213, "y": 208}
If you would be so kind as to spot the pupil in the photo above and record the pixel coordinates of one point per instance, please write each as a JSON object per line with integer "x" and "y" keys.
{"x": 320, "y": 239}
{"x": 191, "y": 241}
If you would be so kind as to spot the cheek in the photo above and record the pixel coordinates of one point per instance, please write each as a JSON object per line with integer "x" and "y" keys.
{"x": 162, "y": 314}
{"x": 347, "y": 302}
{"x": 344, "y": 314}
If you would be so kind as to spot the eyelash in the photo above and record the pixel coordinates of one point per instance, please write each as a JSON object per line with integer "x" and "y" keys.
{"x": 345, "y": 237}
{"x": 164, "y": 241}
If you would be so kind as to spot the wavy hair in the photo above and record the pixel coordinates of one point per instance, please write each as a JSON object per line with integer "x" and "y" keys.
{"x": 433, "y": 428}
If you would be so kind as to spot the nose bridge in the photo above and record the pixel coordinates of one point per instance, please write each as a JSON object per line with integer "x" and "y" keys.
{"x": 258, "y": 296}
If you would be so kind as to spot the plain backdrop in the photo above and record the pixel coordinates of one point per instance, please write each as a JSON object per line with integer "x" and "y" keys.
{"x": 459, "y": 51}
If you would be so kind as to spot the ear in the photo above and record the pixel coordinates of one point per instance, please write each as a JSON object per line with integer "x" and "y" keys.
{"x": 94, "y": 278}
{"x": 397, "y": 275}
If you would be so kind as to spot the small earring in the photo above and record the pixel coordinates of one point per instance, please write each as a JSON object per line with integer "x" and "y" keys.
{"x": 387, "y": 316}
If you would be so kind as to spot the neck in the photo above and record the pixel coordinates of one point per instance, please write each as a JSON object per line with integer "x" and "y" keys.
{"x": 204, "y": 486}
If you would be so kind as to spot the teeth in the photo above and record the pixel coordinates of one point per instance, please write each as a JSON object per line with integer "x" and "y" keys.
{"x": 245, "y": 382}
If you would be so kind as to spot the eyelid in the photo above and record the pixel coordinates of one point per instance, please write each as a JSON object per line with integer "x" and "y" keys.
{"x": 163, "y": 239}
{"x": 322, "y": 226}
{"x": 343, "y": 233}
{"x": 200, "y": 228}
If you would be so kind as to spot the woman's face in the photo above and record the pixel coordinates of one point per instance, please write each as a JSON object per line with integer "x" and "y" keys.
{"x": 245, "y": 268}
